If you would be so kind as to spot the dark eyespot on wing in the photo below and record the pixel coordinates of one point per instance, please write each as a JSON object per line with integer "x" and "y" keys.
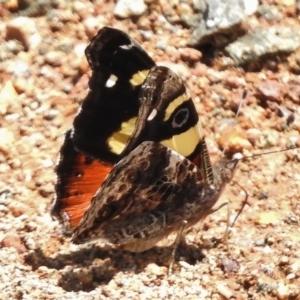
{"x": 164, "y": 102}
{"x": 180, "y": 117}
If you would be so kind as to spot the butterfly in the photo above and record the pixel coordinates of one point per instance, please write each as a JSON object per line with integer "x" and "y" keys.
{"x": 135, "y": 164}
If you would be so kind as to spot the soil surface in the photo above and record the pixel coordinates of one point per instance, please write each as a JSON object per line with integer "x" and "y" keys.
{"x": 43, "y": 79}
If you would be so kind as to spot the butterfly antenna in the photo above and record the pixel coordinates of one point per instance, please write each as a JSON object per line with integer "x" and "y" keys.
{"x": 270, "y": 152}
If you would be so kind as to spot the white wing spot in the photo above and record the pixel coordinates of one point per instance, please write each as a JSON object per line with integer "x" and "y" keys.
{"x": 152, "y": 115}
{"x": 127, "y": 47}
{"x": 111, "y": 81}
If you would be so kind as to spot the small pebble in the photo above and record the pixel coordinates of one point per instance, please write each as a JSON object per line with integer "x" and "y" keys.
{"x": 224, "y": 291}
{"x": 24, "y": 30}
{"x": 128, "y": 8}
{"x": 282, "y": 291}
{"x": 13, "y": 241}
{"x": 154, "y": 269}
{"x": 7, "y": 139}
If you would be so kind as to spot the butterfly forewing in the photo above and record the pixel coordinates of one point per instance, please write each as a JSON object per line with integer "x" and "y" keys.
{"x": 79, "y": 178}
{"x": 103, "y": 124}
{"x": 107, "y": 115}
{"x": 167, "y": 115}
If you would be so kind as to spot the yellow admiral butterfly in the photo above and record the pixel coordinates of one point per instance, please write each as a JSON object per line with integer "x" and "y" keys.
{"x": 135, "y": 165}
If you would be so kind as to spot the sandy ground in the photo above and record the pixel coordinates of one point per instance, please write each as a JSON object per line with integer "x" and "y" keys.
{"x": 43, "y": 79}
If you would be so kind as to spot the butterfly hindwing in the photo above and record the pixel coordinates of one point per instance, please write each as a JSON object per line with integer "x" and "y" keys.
{"x": 147, "y": 195}
{"x": 144, "y": 197}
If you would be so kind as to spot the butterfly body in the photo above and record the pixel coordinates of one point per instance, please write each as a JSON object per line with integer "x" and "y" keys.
{"x": 139, "y": 117}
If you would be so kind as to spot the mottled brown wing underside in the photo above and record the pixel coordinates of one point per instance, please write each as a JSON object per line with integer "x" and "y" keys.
{"x": 147, "y": 194}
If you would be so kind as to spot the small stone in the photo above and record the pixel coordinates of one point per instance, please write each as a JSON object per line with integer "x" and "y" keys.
{"x": 51, "y": 114}
{"x": 270, "y": 89}
{"x": 3, "y": 209}
{"x": 24, "y": 30}
{"x": 290, "y": 276}
{"x": 13, "y": 241}
{"x": 232, "y": 138}
{"x": 47, "y": 163}
{"x": 162, "y": 45}
{"x": 91, "y": 26}
{"x": 10, "y": 49}
{"x": 20, "y": 68}
{"x": 284, "y": 260}
{"x": 7, "y": 140}
{"x": 260, "y": 42}
{"x": 295, "y": 267}
{"x": 286, "y": 2}
{"x": 147, "y": 35}
{"x": 184, "y": 264}
{"x": 11, "y": 5}
{"x": 46, "y": 190}
{"x": 268, "y": 218}
{"x": 54, "y": 58}
{"x": 253, "y": 135}
{"x": 156, "y": 270}
{"x": 31, "y": 226}
{"x": 21, "y": 85}
{"x": 43, "y": 269}
{"x": 229, "y": 265}
{"x": 84, "y": 275}
{"x": 282, "y": 291}
{"x": 224, "y": 291}
{"x": 190, "y": 54}
{"x": 128, "y": 8}
{"x": 8, "y": 95}
{"x": 260, "y": 242}
{"x": 294, "y": 61}
{"x": 31, "y": 244}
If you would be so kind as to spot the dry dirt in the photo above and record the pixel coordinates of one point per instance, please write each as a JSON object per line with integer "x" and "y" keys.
{"x": 40, "y": 90}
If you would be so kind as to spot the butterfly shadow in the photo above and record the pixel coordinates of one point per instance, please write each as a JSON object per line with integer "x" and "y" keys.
{"x": 87, "y": 268}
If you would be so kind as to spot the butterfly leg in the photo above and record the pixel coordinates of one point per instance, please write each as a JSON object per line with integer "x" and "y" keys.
{"x": 228, "y": 226}
{"x": 243, "y": 204}
{"x": 180, "y": 239}
{"x": 226, "y": 234}
{"x": 213, "y": 210}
